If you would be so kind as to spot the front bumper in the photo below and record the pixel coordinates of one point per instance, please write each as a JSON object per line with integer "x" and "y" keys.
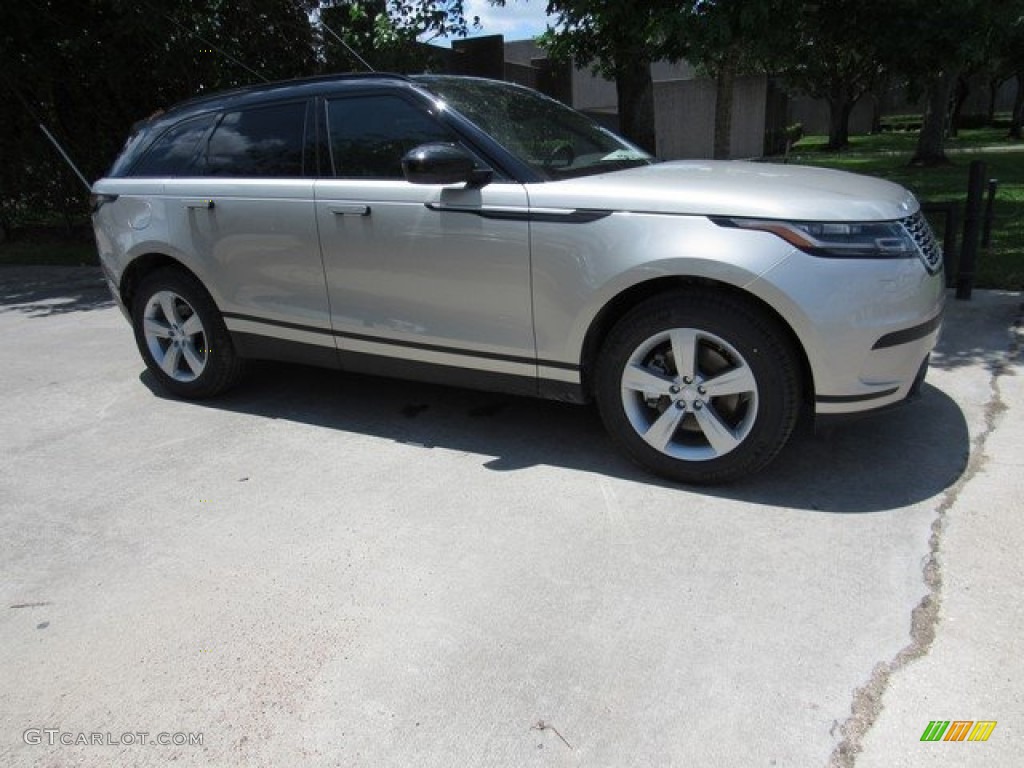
{"x": 866, "y": 326}
{"x": 828, "y": 420}
{"x": 892, "y": 372}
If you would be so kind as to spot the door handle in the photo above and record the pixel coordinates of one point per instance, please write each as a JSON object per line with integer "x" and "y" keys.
{"x": 354, "y": 209}
{"x": 206, "y": 205}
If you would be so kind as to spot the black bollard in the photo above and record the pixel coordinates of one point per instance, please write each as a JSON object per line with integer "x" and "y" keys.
{"x": 972, "y": 230}
{"x": 990, "y": 201}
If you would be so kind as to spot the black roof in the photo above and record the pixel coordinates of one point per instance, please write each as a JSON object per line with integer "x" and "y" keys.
{"x": 299, "y": 87}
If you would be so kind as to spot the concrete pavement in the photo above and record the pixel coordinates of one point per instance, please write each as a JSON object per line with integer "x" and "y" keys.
{"x": 967, "y": 667}
{"x": 335, "y": 570}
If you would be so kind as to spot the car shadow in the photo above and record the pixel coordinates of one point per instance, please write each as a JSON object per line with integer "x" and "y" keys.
{"x": 44, "y": 291}
{"x": 883, "y": 462}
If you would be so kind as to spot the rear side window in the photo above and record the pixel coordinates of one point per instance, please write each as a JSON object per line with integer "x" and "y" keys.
{"x": 173, "y": 152}
{"x": 370, "y": 134}
{"x": 258, "y": 142}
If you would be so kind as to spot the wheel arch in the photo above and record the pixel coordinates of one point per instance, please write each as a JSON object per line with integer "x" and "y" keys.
{"x": 144, "y": 265}
{"x": 615, "y": 309}
{"x": 220, "y": 366}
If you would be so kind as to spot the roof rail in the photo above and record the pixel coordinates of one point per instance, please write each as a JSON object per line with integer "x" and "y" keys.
{"x": 270, "y": 85}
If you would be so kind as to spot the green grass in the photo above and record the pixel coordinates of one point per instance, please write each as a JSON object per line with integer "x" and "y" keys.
{"x": 50, "y": 246}
{"x": 69, "y": 254}
{"x": 886, "y": 155}
{"x": 904, "y": 142}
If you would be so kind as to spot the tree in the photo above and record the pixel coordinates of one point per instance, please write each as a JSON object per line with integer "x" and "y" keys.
{"x": 722, "y": 38}
{"x": 619, "y": 41}
{"x": 1010, "y": 45}
{"x": 88, "y": 71}
{"x": 386, "y": 34}
{"x": 726, "y": 38}
{"x": 932, "y": 41}
{"x": 1018, "y": 109}
{"x": 836, "y": 58}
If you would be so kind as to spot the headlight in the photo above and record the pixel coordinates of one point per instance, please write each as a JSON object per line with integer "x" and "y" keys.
{"x": 856, "y": 240}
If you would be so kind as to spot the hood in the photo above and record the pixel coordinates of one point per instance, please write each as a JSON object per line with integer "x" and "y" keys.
{"x": 733, "y": 188}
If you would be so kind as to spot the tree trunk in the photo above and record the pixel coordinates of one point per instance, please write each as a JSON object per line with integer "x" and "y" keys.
{"x": 993, "y": 92}
{"x": 724, "y": 86}
{"x": 931, "y": 140}
{"x": 882, "y": 94}
{"x": 963, "y": 90}
{"x": 635, "y": 89}
{"x": 839, "y": 109}
{"x": 876, "y": 114}
{"x": 1018, "y": 109}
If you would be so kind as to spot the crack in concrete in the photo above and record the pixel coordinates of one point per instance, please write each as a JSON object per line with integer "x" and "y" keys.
{"x": 924, "y": 619}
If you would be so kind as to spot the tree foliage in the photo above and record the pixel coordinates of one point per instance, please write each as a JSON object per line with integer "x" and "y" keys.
{"x": 385, "y": 34}
{"x": 1008, "y": 54}
{"x": 930, "y": 43}
{"x": 723, "y": 38}
{"x": 89, "y": 70}
{"x": 836, "y": 57}
{"x": 728, "y": 38}
{"x": 619, "y": 41}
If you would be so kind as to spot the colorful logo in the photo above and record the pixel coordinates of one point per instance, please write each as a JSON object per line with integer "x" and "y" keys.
{"x": 958, "y": 730}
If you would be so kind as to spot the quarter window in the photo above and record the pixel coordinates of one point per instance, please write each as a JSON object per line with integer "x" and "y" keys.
{"x": 370, "y": 134}
{"x": 172, "y": 153}
{"x": 260, "y": 142}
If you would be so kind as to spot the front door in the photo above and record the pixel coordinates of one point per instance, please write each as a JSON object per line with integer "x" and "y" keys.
{"x": 420, "y": 276}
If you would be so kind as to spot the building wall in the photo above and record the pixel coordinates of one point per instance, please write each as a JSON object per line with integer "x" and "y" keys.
{"x": 678, "y": 70}
{"x": 685, "y": 118}
{"x": 522, "y": 51}
{"x": 684, "y": 102}
{"x": 977, "y": 100}
{"x": 522, "y": 74}
{"x": 593, "y": 93}
{"x": 813, "y": 113}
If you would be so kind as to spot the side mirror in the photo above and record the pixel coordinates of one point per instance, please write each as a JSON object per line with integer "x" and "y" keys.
{"x": 438, "y": 163}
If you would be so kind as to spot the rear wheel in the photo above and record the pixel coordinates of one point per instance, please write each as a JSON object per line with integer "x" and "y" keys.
{"x": 182, "y": 336}
{"x": 699, "y": 387}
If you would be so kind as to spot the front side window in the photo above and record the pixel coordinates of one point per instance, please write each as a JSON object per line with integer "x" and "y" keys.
{"x": 556, "y": 141}
{"x": 260, "y": 142}
{"x": 172, "y": 153}
{"x": 369, "y": 135}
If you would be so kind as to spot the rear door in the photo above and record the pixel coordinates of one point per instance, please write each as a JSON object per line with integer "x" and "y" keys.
{"x": 246, "y": 220}
{"x": 425, "y": 279}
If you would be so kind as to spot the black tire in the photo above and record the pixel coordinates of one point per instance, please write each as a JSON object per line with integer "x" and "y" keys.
{"x": 190, "y": 353}
{"x": 721, "y": 334}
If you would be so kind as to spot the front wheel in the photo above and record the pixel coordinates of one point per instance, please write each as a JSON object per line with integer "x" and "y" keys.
{"x": 182, "y": 337}
{"x": 699, "y": 387}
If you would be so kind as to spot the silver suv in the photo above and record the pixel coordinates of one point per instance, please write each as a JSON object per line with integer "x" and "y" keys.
{"x": 476, "y": 233}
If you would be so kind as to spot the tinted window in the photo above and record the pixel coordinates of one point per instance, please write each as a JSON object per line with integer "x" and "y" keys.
{"x": 261, "y": 142}
{"x": 556, "y": 141}
{"x": 370, "y": 134}
{"x": 172, "y": 153}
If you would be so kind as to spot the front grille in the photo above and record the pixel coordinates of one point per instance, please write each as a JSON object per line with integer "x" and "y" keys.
{"x": 918, "y": 228}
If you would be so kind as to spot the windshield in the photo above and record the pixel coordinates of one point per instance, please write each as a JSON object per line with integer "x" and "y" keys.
{"x": 554, "y": 140}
